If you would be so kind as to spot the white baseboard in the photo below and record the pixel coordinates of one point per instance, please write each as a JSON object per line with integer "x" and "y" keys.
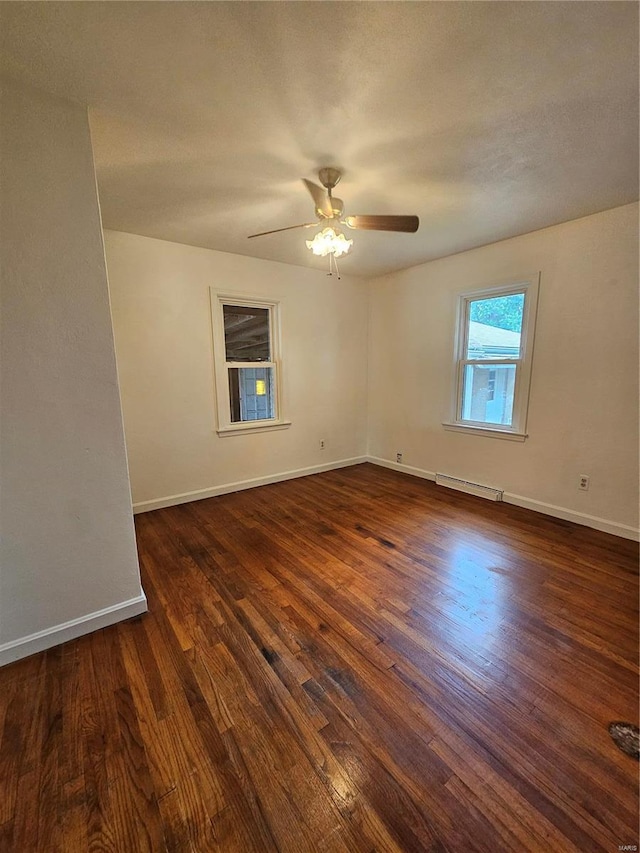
{"x": 594, "y": 521}
{"x": 38, "y": 642}
{"x": 398, "y": 466}
{"x": 597, "y": 523}
{"x": 227, "y": 488}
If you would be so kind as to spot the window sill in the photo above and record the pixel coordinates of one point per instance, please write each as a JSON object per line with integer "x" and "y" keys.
{"x": 258, "y": 426}
{"x": 487, "y": 432}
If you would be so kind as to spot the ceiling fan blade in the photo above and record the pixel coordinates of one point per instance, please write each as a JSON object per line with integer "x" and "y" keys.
{"x": 384, "y": 223}
{"x": 288, "y": 228}
{"x": 320, "y": 198}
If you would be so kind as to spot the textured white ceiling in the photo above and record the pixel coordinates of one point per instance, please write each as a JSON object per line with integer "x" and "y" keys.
{"x": 486, "y": 119}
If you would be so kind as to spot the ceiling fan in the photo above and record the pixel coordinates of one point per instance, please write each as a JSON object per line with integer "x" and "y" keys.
{"x": 330, "y": 213}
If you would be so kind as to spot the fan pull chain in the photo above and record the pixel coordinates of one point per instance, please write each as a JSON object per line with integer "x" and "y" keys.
{"x": 333, "y": 263}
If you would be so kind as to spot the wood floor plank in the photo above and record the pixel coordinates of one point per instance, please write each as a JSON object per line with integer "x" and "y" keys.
{"x": 351, "y": 662}
{"x": 12, "y": 725}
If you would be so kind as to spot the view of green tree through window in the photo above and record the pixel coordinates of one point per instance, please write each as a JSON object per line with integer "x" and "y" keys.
{"x": 505, "y": 312}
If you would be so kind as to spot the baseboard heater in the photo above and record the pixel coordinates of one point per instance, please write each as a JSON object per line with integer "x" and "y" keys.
{"x": 469, "y": 488}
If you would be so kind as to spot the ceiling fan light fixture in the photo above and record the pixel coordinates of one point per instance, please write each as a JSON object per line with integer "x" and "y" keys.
{"x": 329, "y": 241}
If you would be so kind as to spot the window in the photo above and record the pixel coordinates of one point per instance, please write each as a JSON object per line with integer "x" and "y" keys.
{"x": 247, "y": 361}
{"x": 494, "y": 346}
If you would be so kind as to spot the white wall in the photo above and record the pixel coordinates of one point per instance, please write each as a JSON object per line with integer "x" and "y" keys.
{"x": 583, "y": 413}
{"x": 162, "y": 321}
{"x": 68, "y": 561}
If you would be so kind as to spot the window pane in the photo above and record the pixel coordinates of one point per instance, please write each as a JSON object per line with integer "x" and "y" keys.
{"x": 487, "y": 393}
{"x": 251, "y": 393}
{"x": 246, "y": 333}
{"x": 495, "y": 327}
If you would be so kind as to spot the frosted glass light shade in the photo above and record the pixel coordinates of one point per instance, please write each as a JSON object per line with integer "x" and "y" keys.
{"x": 329, "y": 242}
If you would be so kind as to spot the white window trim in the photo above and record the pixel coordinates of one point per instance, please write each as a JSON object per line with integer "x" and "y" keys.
{"x": 224, "y": 425}
{"x": 518, "y": 430}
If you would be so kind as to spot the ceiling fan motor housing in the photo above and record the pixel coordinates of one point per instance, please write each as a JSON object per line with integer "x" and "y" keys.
{"x": 337, "y": 206}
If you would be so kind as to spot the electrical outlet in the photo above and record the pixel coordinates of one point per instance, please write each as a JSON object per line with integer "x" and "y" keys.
{"x": 399, "y": 456}
{"x": 583, "y": 482}
{"x": 322, "y": 444}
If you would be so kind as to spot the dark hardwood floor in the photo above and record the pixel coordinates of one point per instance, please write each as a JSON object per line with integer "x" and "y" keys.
{"x": 353, "y": 661}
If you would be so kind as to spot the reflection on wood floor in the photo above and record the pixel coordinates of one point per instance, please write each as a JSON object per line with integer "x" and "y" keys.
{"x": 352, "y": 661}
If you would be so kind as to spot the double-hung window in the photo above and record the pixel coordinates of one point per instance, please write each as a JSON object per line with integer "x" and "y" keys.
{"x": 246, "y": 337}
{"x": 494, "y": 349}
